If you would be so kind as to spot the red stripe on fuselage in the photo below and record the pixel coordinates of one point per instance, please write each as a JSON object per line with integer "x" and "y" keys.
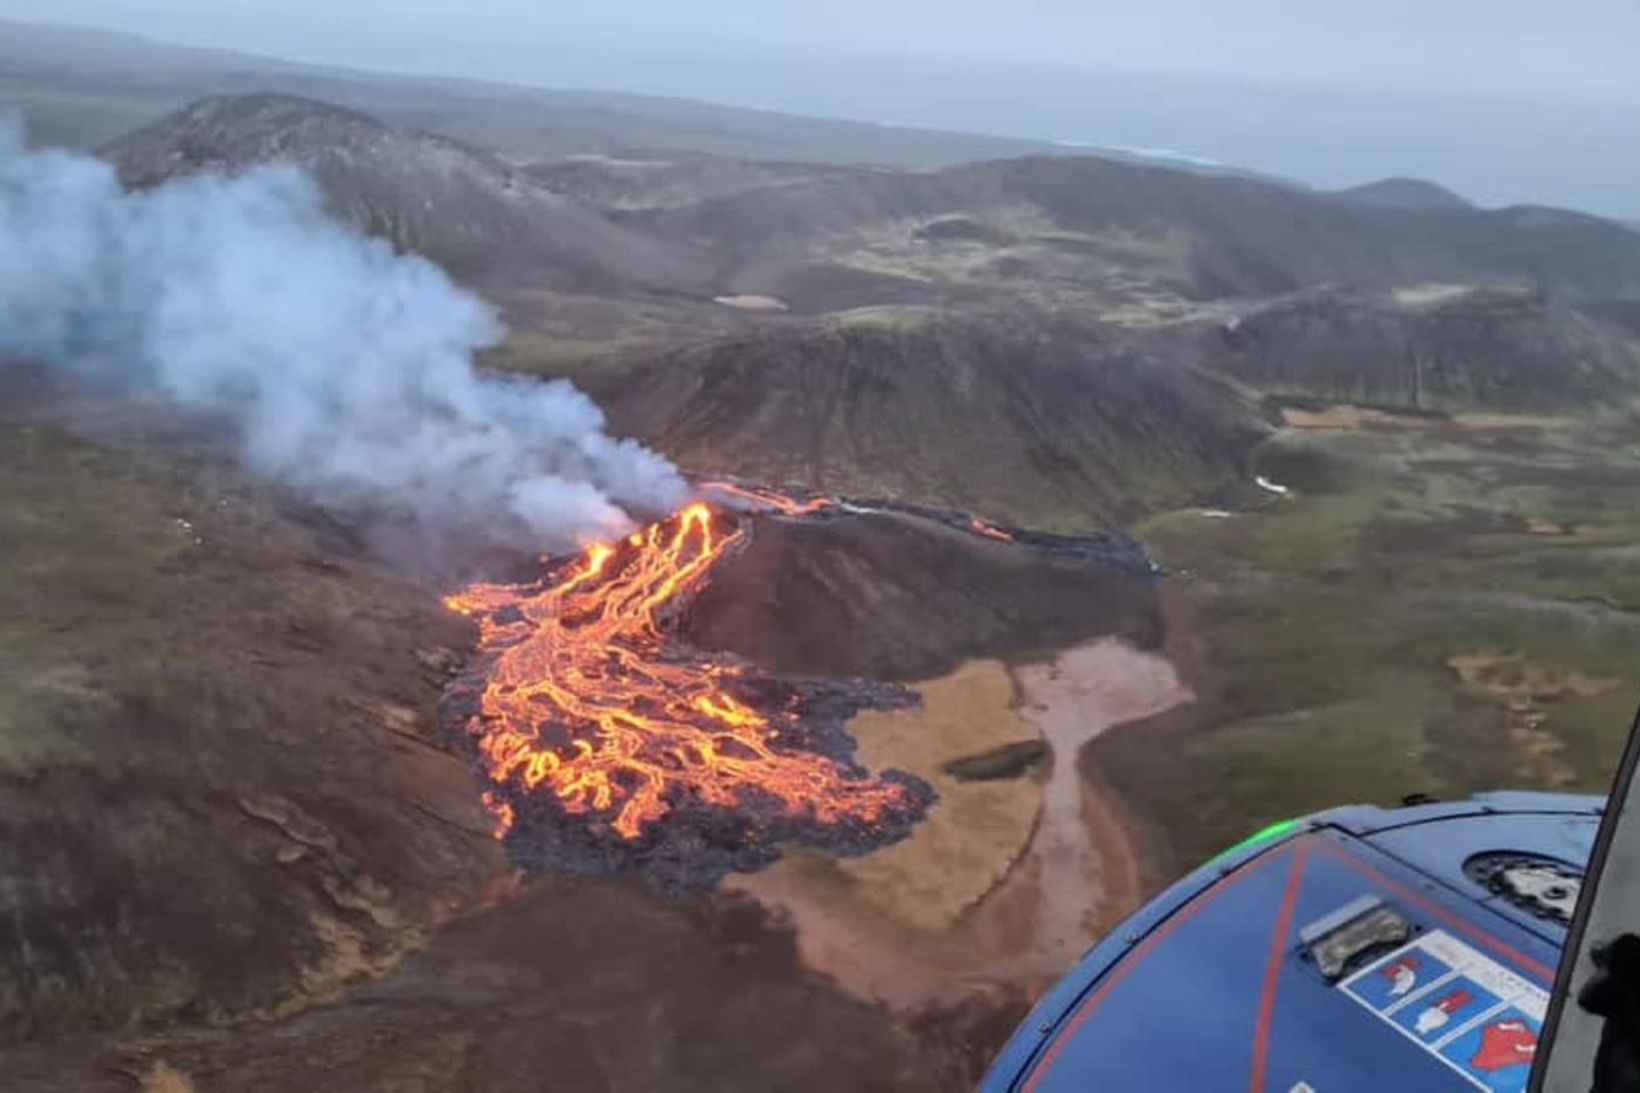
{"x": 1272, "y": 966}
{"x": 1134, "y": 956}
{"x": 1296, "y": 849}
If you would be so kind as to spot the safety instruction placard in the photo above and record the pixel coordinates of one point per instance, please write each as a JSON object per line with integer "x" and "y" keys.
{"x": 1459, "y": 1005}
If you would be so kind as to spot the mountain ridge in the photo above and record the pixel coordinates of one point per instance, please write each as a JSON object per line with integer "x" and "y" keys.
{"x": 458, "y": 205}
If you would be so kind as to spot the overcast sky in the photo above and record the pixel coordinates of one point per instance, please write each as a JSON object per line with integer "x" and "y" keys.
{"x": 1560, "y": 48}
{"x": 1508, "y": 100}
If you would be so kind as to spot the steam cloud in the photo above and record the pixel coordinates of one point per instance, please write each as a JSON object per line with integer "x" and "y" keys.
{"x": 347, "y": 369}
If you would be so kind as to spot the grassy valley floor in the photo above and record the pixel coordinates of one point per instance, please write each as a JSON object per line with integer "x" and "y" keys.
{"x": 1434, "y": 606}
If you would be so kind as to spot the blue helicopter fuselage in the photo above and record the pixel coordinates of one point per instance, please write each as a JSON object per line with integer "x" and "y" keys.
{"x": 1359, "y": 949}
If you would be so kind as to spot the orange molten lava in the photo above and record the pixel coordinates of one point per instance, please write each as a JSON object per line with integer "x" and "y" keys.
{"x": 756, "y": 495}
{"x": 588, "y": 697}
{"x": 990, "y": 531}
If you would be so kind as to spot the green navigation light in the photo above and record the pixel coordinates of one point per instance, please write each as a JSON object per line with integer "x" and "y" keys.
{"x": 1277, "y": 830}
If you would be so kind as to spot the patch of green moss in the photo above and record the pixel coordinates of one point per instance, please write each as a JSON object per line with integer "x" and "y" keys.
{"x": 1328, "y": 619}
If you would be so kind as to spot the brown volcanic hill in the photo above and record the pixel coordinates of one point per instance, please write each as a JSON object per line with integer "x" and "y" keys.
{"x": 1023, "y": 419}
{"x": 1203, "y": 236}
{"x": 1404, "y": 193}
{"x": 902, "y": 595}
{"x": 461, "y": 207}
{"x": 1432, "y": 347}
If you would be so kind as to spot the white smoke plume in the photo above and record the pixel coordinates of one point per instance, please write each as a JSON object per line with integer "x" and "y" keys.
{"x": 346, "y": 368}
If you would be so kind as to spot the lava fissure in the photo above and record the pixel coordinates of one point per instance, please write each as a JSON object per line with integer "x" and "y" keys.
{"x": 1109, "y": 548}
{"x": 607, "y": 744}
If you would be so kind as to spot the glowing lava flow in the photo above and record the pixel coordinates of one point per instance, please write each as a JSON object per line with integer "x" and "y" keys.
{"x": 767, "y": 498}
{"x": 762, "y": 497}
{"x": 989, "y": 530}
{"x": 587, "y": 697}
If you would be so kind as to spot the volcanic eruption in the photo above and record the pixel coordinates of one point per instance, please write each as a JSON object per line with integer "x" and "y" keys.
{"x": 608, "y": 744}
{"x": 346, "y": 372}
